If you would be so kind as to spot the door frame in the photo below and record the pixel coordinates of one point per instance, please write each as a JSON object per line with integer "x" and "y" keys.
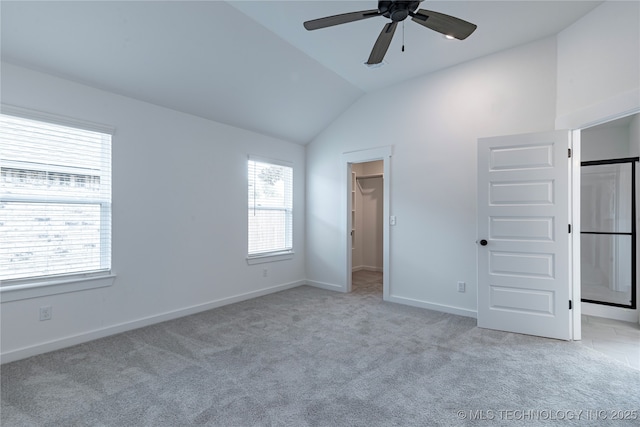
{"x": 347, "y": 160}
{"x": 575, "y": 291}
{"x": 613, "y": 108}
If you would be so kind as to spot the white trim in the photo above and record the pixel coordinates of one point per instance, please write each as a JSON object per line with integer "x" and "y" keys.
{"x": 56, "y": 286}
{"x": 268, "y": 160}
{"x": 327, "y": 286}
{"x": 272, "y": 257}
{"x": 348, "y": 229}
{"x": 49, "y": 199}
{"x": 575, "y": 279}
{"x": 434, "y": 306}
{"x": 280, "y": 253}
{"x": 98, "y": 165}
{"x": 386, "y": 232}
{"x": 621, "y": 105}
{"x": 362, "y": 156}
{"x": 25, "y": 352}
{"x": 25, "y": 113}
{"x": 613, "y": 108}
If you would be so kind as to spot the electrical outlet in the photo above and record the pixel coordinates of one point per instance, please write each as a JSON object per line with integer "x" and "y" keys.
{"x": 265, "y": 272}
{"x": 462, "y": 286}
{"x": 45, "y": 313}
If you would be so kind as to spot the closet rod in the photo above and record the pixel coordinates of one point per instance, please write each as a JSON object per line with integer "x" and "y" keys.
{"x": 373, "y": 175}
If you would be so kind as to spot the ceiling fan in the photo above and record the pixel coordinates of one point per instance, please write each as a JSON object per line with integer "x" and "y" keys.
{"x": 398, "y": 11}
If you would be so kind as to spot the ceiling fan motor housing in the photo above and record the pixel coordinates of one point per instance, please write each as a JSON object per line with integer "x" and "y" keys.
{"x": 397, "y": 10}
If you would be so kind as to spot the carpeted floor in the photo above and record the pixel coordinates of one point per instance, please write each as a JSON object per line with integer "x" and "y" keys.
{"x": 310, "y": 357}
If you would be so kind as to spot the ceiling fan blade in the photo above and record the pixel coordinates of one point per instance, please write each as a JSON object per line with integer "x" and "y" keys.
{"x": 445, "y": 24}
{"x": 330, "y": 21}
{"x": 382, "y": 44}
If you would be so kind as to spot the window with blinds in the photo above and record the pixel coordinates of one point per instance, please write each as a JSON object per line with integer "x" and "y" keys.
{"x": 270, "y": 207}
{"x": 55, "y": 199}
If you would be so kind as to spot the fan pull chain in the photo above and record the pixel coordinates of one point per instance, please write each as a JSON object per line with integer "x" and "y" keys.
{"x": 403, "y": 36}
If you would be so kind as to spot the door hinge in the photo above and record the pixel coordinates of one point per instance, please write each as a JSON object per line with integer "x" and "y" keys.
{"x": 569, "y": 152}
{"x": 570, "y": 305}
{"x": 569, "y": 228}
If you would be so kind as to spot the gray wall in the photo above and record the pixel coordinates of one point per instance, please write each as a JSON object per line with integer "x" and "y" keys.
{"x": 179, "y": 217}
{"x": 437, "y": 120}
{"x": 179, "y": 244}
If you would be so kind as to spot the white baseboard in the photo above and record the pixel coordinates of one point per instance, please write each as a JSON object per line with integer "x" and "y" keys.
{"x": 58, "y": 344}
{"x": 406, "y": 301}
{"x": 328, "y": 286}
{"x": 433, "y": 306}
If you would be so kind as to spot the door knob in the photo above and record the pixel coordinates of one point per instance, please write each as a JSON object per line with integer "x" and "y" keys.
{"x": 483, "y": 242}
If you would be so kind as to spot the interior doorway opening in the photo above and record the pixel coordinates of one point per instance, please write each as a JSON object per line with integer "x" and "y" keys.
{"x": 349, "y": 159}
{"x": 608, "y": 256}
{"x": 367, "y": 241}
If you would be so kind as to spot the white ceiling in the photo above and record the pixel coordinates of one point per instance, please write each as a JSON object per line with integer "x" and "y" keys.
{"x": 344, "y": 49}
{"x": 251, "y": 64}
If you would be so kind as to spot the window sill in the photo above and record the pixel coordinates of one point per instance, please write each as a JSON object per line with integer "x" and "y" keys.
{"x": 261, "y": 259}
{"x": 44, "y": 288}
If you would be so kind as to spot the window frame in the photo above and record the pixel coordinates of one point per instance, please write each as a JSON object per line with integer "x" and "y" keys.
{"x": 277, "y": 254}
{"x": 44, "y": 285}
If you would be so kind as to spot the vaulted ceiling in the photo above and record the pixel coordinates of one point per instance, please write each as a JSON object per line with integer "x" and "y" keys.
{"x": 251, "y": 64}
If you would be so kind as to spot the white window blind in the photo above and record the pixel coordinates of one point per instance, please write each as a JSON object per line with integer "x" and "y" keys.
{"x": 55, "y": 199}
{"x": 270, "y": 207}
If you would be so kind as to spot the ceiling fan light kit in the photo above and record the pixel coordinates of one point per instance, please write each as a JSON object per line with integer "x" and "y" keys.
{"x": 397, "y": 11}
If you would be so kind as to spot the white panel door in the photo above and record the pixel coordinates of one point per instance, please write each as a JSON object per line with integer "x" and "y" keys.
{"x": 523, "y": 236}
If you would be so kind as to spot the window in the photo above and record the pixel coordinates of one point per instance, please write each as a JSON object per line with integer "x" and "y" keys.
{"x": 55, "y": 200}
{"x": 270, "y": 208}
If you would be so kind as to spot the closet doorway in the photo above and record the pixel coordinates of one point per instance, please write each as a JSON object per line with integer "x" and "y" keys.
{"x": 367, "y": 203}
